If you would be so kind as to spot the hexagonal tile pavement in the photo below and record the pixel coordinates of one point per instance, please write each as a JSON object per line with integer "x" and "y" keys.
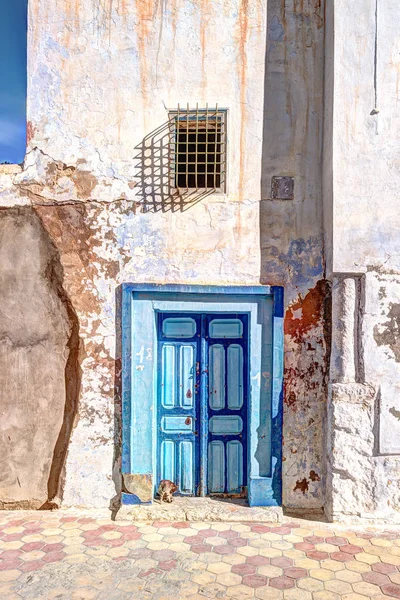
{"x": 72, "y": 555}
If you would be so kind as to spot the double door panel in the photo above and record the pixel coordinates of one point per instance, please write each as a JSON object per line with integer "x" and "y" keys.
{"x": 202, "y": 402}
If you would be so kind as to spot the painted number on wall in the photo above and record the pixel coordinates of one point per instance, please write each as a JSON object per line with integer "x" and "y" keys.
{"x": 143, "y": 354}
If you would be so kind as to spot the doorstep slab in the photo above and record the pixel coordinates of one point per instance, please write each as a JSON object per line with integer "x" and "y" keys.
{"x": 200, "y": 509}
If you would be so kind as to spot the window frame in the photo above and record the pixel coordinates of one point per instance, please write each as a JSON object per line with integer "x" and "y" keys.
{"x": 198, "y": 115}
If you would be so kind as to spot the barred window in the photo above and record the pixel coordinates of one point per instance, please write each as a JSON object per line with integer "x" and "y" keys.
{"x": 198, "y": 149}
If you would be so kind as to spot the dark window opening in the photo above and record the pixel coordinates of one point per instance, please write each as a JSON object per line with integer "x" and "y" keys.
{"x": 198, "y": 149}
{"x": 198, "y": 158}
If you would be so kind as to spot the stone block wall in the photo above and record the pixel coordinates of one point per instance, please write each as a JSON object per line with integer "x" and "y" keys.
{"x": 362, "y": 444}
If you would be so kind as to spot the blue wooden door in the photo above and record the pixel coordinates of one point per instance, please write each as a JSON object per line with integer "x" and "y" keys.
{"x": 202, "y": 402}
{"x": 227, "y": 342}
{"x": 178, "y": 389}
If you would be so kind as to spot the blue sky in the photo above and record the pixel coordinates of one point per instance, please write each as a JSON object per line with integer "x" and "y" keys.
{"x": 12, "y": 80}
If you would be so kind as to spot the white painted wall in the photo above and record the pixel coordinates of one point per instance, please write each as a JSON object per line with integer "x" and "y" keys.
{"x": 362, "y": 224}
{"x": 102, "y": 76}
{"x": 366, "y": 165}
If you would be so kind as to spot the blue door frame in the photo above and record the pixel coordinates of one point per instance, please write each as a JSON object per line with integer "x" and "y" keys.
{"x": 264, "y": 306}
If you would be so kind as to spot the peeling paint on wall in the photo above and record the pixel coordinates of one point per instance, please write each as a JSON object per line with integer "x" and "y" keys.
{"x": 306, "y": 313}
{"x": 388, "y": 333}
{"x": 306, "y": 367}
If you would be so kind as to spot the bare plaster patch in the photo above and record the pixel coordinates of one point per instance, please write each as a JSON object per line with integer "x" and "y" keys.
{"x": 140, "y": 485}
{"x": 388, "y": 333}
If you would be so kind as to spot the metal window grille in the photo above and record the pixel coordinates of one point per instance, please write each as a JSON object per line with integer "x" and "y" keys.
{"x": 197, "y": 152}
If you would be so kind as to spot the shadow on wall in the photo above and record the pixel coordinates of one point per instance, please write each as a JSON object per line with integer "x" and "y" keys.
{"x": 291, "y": 234}
{"x": 116, "y": 468}
{"x": 156, "y": 192}
{"x": 276, "y": 127}
{"x": 291, "y": 227}
{"x": 277, "y": 212}
{"x": 55, "y": 483}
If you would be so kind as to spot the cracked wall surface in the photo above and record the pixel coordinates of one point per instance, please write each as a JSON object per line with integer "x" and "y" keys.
{"x": 111, "y": 71}
{"x": 100, "y": 249}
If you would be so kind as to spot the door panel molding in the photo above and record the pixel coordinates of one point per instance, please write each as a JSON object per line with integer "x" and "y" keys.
{"x": 234, "y": 382}
{"x": 216, "y": 361}
{"x": 177, "y": 420}
{"x": 225, "y": 425}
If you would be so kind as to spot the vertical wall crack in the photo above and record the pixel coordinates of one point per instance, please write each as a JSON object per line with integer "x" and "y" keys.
{"x": 72, "y": 376}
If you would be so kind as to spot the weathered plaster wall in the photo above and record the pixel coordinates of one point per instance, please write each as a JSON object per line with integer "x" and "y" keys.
{"x": 101, "y": 248}
{"x": 362, "y": 445}
{"x": 292, "y": 252}
{"x": 101, "y": 78}
{"x": 39, "y": 374}
{"x": 363, "y": 474}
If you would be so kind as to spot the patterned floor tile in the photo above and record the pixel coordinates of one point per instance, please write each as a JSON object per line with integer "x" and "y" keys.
{"x": 72, "y": 556}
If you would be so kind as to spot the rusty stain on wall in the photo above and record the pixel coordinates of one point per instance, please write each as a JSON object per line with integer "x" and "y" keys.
{"x": 30, "y": 132}
{"x": 396, "y": 413}
{"x": 314, "y": 476}
{"x": 145, "y": 14}
{"x": 306, "y": 313}
{"x": 301, "y": 485}
{"x": 204, "y": 19}
{"x": 305, "y": 379}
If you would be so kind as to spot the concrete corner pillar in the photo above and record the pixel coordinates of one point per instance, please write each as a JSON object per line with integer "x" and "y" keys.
{"x": 350, "y": 448}
{"x": 350, "y": 451}
{"x": 344, "y": 307}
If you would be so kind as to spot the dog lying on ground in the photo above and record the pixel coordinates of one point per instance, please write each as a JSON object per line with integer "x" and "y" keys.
{"x": 166, "y": 490}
